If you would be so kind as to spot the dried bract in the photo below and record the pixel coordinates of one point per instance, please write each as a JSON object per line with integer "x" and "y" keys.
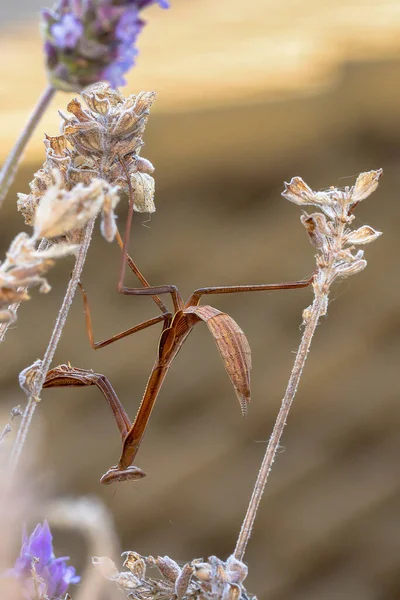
{"x": 27, "y": 377}
{"x": 8, "y": 297}
{"x": 183, "y": 581}
{"x": 61, "y": 211}
{"x": 167, "y": 567}
{"x": 364, "y": 235}
{"x": 366, "y": 184}
{"x": 24, "y": 267}
{"x": 143, "y": 192}
{"x": 299, "y": 192}
{"x": 136, "y": 564}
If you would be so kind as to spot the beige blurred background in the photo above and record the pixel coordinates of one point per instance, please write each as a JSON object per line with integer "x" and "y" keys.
{"x": 249, "y": 95}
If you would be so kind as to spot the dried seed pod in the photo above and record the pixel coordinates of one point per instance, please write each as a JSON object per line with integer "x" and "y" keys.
{"x": 136, "y": 564}
{"x": 61, "y": 211}
{"x": 366, "y": 184}
{"x": 363, "y": 235}
{"x": 144, "y": 166}
{"x": 143, "y": 186}
{"x": 311, "y": 223}
{"x": 28, "y": 375}
{"x": 345, "y": 270}
{"x": 202, "y": 570}
{"x": 168, "y": 568}
{"x": 298, "y": 191}
{"x": 183, "y": 581}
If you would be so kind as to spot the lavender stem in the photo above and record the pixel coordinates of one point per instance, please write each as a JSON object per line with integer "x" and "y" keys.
{"x": 9, "y": 169}
{"x": 317, "y": 309}
{"x": 34, "y": 397}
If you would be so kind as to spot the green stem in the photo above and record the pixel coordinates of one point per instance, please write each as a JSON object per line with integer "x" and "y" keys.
{"x": 9, "y": 169}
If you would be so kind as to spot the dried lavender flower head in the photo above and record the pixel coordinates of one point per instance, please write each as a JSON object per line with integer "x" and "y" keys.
{"x": 106, "y": 137}
{"x": 329, "y": 230}
{"x": 37, "y": 568}
{"x": 197, "y": 580}
{"x": 101, "y": 140}
{"x": 92, "y": 40}
{"x": 24, "y": 267}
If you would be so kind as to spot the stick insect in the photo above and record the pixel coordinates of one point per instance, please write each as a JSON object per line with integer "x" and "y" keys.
{"x": 230, "y": 339}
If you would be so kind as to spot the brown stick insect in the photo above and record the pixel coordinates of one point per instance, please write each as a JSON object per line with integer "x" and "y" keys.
{"x": 230, "y": 339}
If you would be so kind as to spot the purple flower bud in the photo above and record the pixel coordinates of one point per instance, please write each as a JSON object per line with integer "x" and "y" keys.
{"x": 129, "y": 26}
{"x": 67, "y": 31}
{"x": 124, "y": 61}
{"x": 143, "y": 3}
{"x": 37, "y": 552}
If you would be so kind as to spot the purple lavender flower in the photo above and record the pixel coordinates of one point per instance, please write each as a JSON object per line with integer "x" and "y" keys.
{"x": 125, "y": 59}
{"x": 129, "y": 26}
{"x": 89, "y": 41}
{"x": 67, "y": 31}
{"x": 37, "y": 552}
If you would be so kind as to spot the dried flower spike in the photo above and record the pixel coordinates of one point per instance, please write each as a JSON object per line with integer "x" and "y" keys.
{"x": 106, "y": 137}
{"x": 99, "y": 148}
{"x": 329, "y": 232}
{"x": 197, "y": 580}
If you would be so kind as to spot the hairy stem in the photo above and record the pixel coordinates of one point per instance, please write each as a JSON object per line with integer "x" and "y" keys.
{"x": 317, "y": 309}
{"x": 40, "y": 376}
{"x": 9, "y": 169}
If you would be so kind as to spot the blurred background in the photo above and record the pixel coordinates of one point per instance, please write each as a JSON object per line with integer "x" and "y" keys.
{"x": 249, "y": 95}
